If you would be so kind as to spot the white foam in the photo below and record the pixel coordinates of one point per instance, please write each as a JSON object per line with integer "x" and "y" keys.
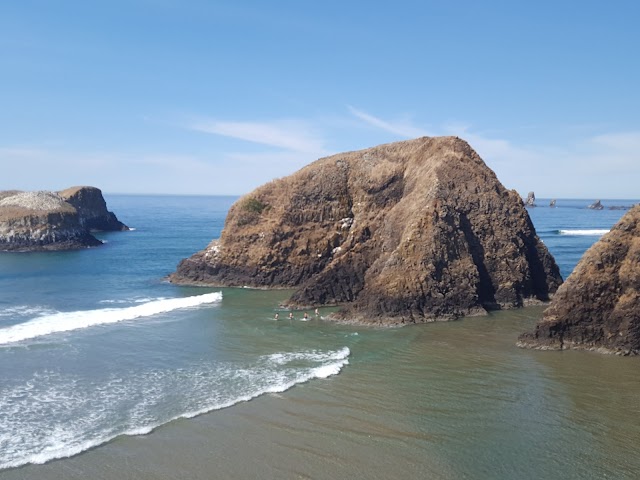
{"x": 591, "y": 232}
{"x": 279, "y": 386}
{"x": 57, "y": 415}
{"x": 24, "y": 311}
{"x": 131, "y": 300}
{"x": 58, "y": 447}
{"x": 313, "y": 356}
{"x": 68, "y": 321}
{"x": 327, "y": 370}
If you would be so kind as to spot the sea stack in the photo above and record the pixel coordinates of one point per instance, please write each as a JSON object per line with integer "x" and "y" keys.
{"x": 598, "y": 307}
{"x": 531, "y": 200}
{"x": 40, "y": 221}
{"x": 407, "y": 232}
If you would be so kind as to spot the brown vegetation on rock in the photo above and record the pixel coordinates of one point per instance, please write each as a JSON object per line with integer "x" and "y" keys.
{"x": 598, "y": 307}
{"x": 411, "y": 231}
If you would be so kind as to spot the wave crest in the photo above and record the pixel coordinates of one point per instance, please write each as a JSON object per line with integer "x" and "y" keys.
{"x": 67, "y": 321}
{"x": 590, "y": 232}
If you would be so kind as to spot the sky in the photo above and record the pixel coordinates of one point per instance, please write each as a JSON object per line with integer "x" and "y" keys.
{"x": 219, "y": 97}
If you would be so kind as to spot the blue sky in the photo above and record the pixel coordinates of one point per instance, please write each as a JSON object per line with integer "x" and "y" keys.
{"x": 218, "y": 97}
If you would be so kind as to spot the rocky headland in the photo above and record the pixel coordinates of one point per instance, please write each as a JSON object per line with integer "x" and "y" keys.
{"x": 407, "y": 232}
{"x": 36, "y": 221}
{"x": 598, "y": 307}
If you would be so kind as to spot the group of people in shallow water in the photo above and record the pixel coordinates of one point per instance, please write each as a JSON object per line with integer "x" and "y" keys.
{"x": 291, "y": 317}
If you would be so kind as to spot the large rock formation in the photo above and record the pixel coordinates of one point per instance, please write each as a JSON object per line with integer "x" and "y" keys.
{"x": 32, "y": 221}
{"x": 406, "y": 232}
{"x": 598, "y": 307}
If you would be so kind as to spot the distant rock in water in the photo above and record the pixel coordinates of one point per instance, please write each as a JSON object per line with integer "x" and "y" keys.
{"x": 92, "y": 209}
{"x": 406, "y": 232}
{"x": 598, "y": 307}
{"x": 596, "y": 205}
{"x": 531, "y": 200}
{"x": 32, "y": 221}
{"x": 552, "y": 203}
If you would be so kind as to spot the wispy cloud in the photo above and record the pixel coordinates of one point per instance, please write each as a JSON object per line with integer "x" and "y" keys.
{"x": 401, "y": 128}
{"x": 583, "y": 164}
{"x": 601, "y": 164}
{"x": 40, "y": 157}
{"x": 297, "y": 136}
{"x": 616, "y": 152}
{"x": 38, "y": 168}
{"x": 625, "y": 141}
{"x": 20, "y": 153}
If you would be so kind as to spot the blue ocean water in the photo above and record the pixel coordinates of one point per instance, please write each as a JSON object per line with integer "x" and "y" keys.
{"x": 95, "y": 343}
{"x": 570, "y": 228}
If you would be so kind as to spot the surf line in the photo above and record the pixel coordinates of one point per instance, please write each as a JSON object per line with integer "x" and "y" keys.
{"x": 68, "y": 321}
{"x": 592, "y": 232}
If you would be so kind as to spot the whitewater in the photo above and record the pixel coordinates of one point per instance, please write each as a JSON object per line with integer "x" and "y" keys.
{"x": 67, "y": 321}
{"x": 594, "y": 232}
{"x": 53, "y": 415}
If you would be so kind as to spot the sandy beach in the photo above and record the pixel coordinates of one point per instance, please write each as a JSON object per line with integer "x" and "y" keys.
{"x": 442, "y": 401}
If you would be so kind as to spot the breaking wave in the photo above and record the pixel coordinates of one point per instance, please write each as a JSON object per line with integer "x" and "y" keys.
{"x": 57, "y": 415}
{"x": 591, "y": 232}
{"x": 68, "y": 321}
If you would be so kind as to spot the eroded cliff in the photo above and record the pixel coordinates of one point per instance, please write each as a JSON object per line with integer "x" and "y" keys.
{"x": 411, "y": 231}
{"x": 33, "y": 221}
{"x": 598, "y": 307}
{"x": 92, "y": 209}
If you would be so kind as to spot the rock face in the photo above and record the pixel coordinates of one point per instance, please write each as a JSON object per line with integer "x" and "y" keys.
{"x": 596, "y": 205}
{"x": 598, "y": 307}
{"x": 32, "y": 221}
{"x": 412, "y": 231}
{"x": 92, "y": 209}
{"x": 531, "y": 200}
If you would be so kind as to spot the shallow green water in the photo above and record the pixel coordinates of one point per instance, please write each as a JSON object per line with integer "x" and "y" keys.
{"x": 442, "y": 401}
{"x": 97, "y": 350}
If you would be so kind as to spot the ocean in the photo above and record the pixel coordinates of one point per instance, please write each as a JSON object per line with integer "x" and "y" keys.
{"x": 108, "y": 371}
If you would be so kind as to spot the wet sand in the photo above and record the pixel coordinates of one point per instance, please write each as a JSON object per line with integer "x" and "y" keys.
{"x": 442, "y": 401}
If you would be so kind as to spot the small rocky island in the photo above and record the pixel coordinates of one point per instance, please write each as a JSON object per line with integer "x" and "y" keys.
{"x": 407, "y": 232}
{"x": 598, "y": 307}
{"x": 39, "y": 221}
{"x": 530, "y": 201}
